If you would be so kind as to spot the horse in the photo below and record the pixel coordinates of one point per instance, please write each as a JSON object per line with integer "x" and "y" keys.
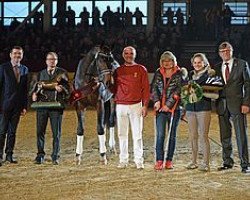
{"x": 91, "y": 84}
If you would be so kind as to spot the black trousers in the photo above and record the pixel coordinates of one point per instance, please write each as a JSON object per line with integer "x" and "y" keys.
{"x": 55, "y": 117}
{"x": 240, "y": 127}
{"x": 8, "y": 126}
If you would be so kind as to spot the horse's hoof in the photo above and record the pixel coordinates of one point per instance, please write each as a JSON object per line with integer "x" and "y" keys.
{"x": 78, "y": 159}
{"x": 103, "y": 160}
{"x": 112, "y": 150}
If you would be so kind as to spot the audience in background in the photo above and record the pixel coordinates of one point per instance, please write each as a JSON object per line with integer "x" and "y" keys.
{"x": 119, "y": 30}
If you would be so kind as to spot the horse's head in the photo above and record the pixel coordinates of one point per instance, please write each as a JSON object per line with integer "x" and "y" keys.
{"x": 103, "y": 65}
{"x": 97, "y": 66}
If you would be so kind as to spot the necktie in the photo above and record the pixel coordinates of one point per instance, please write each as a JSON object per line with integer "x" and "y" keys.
{"x": 227, "y": 73}
{"x": 50, "y": 72}
{"x": 17, "y": 73}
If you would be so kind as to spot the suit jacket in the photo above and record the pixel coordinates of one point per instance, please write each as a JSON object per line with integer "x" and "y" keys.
{"x": 237, "y": 90}
{"x": 51, "y": 95}
{"x": 13, "y": 95}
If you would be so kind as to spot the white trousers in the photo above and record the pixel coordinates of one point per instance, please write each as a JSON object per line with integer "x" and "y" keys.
{"x": 130, "y": 114}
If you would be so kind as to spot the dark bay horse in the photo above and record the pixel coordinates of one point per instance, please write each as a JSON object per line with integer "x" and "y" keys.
{"x": 91, "y": 88}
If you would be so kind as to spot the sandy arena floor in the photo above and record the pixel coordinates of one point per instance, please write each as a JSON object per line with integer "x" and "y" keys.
{"x": 91, "y": 180}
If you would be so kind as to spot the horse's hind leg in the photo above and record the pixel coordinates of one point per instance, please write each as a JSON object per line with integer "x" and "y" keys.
{"x": 79, "y": 136}
{"x": 101, "y": 132}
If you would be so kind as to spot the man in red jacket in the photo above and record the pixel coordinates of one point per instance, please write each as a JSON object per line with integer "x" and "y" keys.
{"x": 131, "y": 97}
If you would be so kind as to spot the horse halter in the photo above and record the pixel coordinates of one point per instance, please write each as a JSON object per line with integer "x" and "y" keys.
{"x": 101, "y": 72}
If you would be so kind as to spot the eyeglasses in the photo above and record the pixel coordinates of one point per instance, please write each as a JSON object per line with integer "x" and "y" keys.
{"x": 51, "y": 58}
{"x": 225, "y": 50}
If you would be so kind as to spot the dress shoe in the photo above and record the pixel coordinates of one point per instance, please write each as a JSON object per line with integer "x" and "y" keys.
{"x": 245, "y": 170}
{"x": 10, "y": 159}
{"x": 55, "y": 162}
{"x": 225, "y": 167}
{"x": 39, "y": 160}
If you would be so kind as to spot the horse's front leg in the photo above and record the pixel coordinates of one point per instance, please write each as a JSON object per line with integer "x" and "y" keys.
{"x": 80, "y": 134}
{"x": 101, "y": 132}
{"x": 110, "y": 123}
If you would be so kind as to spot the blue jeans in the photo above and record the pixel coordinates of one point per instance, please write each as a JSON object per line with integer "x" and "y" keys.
{"x": 162, "y": 118}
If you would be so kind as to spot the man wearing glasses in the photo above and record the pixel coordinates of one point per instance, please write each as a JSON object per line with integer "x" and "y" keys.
{"x": 59, "y": 93}
{"x": 233, "y": 105}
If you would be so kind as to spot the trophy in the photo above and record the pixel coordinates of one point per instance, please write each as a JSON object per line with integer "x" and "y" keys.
{"x": 40, "y": 89}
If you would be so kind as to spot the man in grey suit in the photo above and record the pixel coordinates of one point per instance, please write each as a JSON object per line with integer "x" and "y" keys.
{"x": 233, "y": 104}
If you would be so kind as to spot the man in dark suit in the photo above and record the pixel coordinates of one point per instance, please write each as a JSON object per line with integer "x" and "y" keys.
{"x": 233, "y": 104}
{"x": 13, "y": 100}
{"x": 60, "y": 94}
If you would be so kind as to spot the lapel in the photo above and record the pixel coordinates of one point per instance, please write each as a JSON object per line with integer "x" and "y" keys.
{"x": 218, "y": 69}
{"x": 233, "y": 71}
{"x": 56, "y": 72}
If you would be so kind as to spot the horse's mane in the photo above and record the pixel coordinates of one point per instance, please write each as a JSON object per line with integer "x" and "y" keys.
{"x": 83, "y": 67}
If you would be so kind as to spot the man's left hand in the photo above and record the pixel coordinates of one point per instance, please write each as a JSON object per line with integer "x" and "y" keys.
{"x": 144, "y": 111}
{"x": 244, "y": 109}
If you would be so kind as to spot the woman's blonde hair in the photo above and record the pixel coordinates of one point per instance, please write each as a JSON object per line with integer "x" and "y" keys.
{"x": 203, "y": 58}
{"x": 168, "y": 55}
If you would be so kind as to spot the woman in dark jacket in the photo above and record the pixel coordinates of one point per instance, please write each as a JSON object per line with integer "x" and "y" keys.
{"x": 166, "y": 89}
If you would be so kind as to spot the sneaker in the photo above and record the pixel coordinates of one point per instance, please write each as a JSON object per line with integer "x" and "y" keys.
{"x": 192, "y": 166}
{"x": 122, "y": 165}
{"x": 204, "y": 168}
{"x": 169, "y": 164}
{"x": 158, "y": 165}
{"x": 139, "y": 165}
